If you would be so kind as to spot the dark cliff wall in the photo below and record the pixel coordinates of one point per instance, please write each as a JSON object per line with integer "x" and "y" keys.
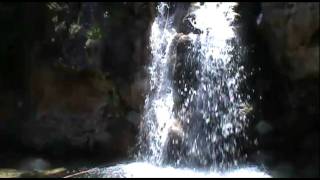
{"x": 73, "y": 76}
{"x": 284, "y": 59}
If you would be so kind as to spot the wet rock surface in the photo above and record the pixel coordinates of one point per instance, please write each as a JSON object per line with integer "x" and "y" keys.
{"x": 292, "y": 31}
{"x": 284, "y": 87}
{"x": 74, "y": 83}
{"x": 184, "y": 68}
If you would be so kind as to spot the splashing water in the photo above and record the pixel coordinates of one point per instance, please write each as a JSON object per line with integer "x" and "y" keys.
{"x": 212, "y": 109}
{"x": 147, "y": 170}
{"x": 194, "y": 104}
{"x": 195, "y": 115}
{"x": 160, "y": 101}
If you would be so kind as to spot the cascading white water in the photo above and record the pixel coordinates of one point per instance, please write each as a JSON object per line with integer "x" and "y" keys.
{"x": 208, "y": 112}
{"x": 158, "y": 105}
{"x": 194, "y": 113}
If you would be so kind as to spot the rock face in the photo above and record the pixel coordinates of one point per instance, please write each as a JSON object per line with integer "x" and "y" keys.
{"x": 71, "y": 109}
{"x": 292, "y": 31}
{"x": 183, "y": 68}
{"x": 75, "y": 82}
{"x": 183, "y": 17}
{"x": 285, "y": 79}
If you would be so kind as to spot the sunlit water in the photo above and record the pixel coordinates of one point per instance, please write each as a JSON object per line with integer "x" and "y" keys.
{"x": 148, "y": 170}
{"x": 194, "y": 91}
{"x": 158, "y": 116}
{"x": 195, "y": 116}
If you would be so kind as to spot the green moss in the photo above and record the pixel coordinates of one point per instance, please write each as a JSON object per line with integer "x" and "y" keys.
{"x": 94, "y": 32}
{"x": 14, "y": 173}
{"x": 10, "y": 173}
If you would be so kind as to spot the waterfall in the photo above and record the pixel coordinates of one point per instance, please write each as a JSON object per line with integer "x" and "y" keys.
{"x": 194, "y": 113}
{"x": 158, "y": 115}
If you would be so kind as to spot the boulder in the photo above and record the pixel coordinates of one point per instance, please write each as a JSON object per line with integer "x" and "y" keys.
{"x": 292, "y": 33}
{"x": 184, "y": 67}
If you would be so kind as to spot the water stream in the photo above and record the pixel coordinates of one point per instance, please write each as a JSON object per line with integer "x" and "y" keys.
{"x": 194, "y": 93}
{"x": 195, "y": 114}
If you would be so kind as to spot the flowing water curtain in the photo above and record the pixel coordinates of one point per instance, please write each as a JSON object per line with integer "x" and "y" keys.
{"x": 209, "y": 110}
{"x": 158, "y": 104}
{"x": 212, "y": 112}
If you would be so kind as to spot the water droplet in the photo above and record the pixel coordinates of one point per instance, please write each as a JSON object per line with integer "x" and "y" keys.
{"x": 207, "y": 120}
{"x": 106, "y": 14}
{"x": 259, "y": 19}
